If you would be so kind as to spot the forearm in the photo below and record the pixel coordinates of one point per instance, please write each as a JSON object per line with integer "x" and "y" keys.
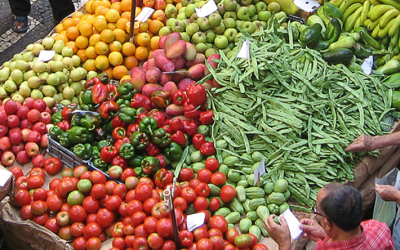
{"x": 285, "y": 246}
{"x": 381, "y": 141}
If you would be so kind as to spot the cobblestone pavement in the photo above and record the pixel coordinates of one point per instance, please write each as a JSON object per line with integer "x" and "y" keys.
{"x": 41, "y": 23}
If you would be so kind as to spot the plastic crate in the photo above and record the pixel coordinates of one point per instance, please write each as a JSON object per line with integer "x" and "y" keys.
{"x": 65, "y": 155}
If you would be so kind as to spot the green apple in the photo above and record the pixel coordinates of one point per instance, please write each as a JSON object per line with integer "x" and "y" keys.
{"x": 226, "y": 50}
{"x": 239, "y": 23}
{"x": 186, "y": 22}
{"x": 252, "y": 10}
{"x": 203, "y": 23}
{"x": 210, "y": 51}
{"x": 198, "y": 37}
{"x": 193, "y": 18}
{"x": 249, "y": 27}
{"x": 179, "y": 26}
{"x": 201, "y": 48}
{"x": 258, "y": 25}
{"x": 185, "y": 36}
{"x": 219, "y": 30}
{"x": 192, "y": 28}
{"x": 230, "y": 14}
{"x": 230, "y": 5}
{"x": 238, "y": 36}
{"x": 210, "y": 36}
{"x": 274, "y": 7}
{"x": 246, "y": 2}
{"x": 170, "y": 11}
{"x": 185, "y": 3}
{"x": 221, "y": 8}
{"x": 214, "y": 19}
{"x": 190, "y": 9}
{"x": 170, "y": 22}
{"x": 229, "y": 22}
{"x": 210, "y": 45}
{"x": 230, "y": 33}
{"x": 182, "y": 10}
{"x": 260, "y": 6}
{"x": 243, "y": 13}
{"x": 181, "y": 16}
{"x": 221, "y": 42}
{"x": 264, "y": 15}
{"x": 165, "y": 31}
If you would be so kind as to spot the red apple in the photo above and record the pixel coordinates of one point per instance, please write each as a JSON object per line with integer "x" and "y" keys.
{"x": 5, "y": 143}
{"x": 40, "y": 127}
{"x": 22, "y": 112}
{"x": 10, "y": 107}
{"x": 28, "y": 102}
{"x": 40, "y": 105}
{"x": 17, "y": 148}
{"x": 15, "y": 136}
{"x": 44, "y": 141}
{"x": 33, "y": 115}
{"x": 38, "y": 161}
{"x": 8, "y": 158}
{"x": 25, "y": 123}
{"x": 22, "y": 157}
{"x": 25, "y": 133}
{"x": 45, "y": 117}
{"x": 12, "y": 121}
{"x": 34, "y": 136}
{"x": 3, "y": 117}
{"x": 48, "y": 110}
{"x": 32, "y": 149}
{"x": 3, "y": 130}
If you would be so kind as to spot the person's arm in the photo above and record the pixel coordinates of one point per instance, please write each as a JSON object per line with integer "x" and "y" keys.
{"x": 370, "y": 143}
{"x": 388, "y": 192}
{"x": 279, "y": 233}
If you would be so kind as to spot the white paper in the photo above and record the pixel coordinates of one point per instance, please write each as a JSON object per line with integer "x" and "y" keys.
{"x": 194, "y": 221}
{"x": 259, "y": 171}
{"x": 144, "y": 14}
{"x": 5, "y": 176}
{"x": 83, "y": 2}
{"x": 307, "y": 5}
{"x": 46, "y": 55}
{"x": 244, "y": 50}
{"x": 293, "y": 223}
{"x": 367, "y": 65}
{"x": 207, "y": 9}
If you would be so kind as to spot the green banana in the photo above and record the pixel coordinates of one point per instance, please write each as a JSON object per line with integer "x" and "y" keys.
{"x": 364, "y": 12}
{"x": 378, "y": 10}
{"x": 370, "y": 40}
{"x": 394, "y": 40}
{"x": 350, "y": 10}
{"x": 389, "y": 15}
{"x": 367, "y": 22}
{"x": 374, "y": 33}
{"x": 351, "y": 20}
{"x": 393, "y": 3}
{"x": 383, "y": 31}
{"x": 373, "y": 24}
{"x": 343, "y": 7}
{"x": 395, "y": 27}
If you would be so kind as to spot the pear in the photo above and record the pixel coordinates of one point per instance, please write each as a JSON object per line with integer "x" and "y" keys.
{"x": 36, "y": 94}
{"x": 3, "y": 93}
{"x": 17, "y": 57}
{"x": 34, "y": 82}
{"x": 4, "y": 74}
{"x": 18, "y": 98}
{"x": 37, "y": 47}
{"x": 12, "y": 66}
{"x": 50, "y": 101}
{"x": 76, "y": 60}
{"x": 17, "y": 76}
{"x": 40, "y": 67}
{"x": 52, "y": 79}
{"x": 67, "y": 51}
{"x": 48, "y": 42}
{"x": 58, "y": 97}
{"x": 69, "y": 64}
{"x": 28, "y": 56}
{"x": 57, "y": 57}
{"x": 91, "y": 74}
{"x": 58, "y": 46}
{"x": 22, "y": 65}
{"x": 77, "y": 87}
{"x": 75, "y": 100}
{"x": 10, "y": 86}
{"x": 29, "y": 74}
{"x": 57, "y": 66}
{"x": 29, "y": 47}
{"x": 77, "y": 74}
{"x": 61, "y": 87}
{"x": 62, "y": 76}
{"x": 43, "y": 76}
{"x": 6, "y": 64}
{"x": 48, "y": 90}
{"x": 68, "y": 93}
{"x": 65, "y": 102}
{"x": 24, "y": 89}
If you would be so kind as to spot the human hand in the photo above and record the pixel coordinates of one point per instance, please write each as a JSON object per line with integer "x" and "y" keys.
{"x": 388, "y": 192}
{"x": 279, "y": 233}
{"x": 361, "y": 143}
{"x": 312, "y": 230}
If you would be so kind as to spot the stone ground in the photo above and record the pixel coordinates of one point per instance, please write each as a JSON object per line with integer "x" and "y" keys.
{"x": 41, "y": 23}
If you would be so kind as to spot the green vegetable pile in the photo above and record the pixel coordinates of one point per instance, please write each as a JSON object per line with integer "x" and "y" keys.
{"x": 298, "y": 111}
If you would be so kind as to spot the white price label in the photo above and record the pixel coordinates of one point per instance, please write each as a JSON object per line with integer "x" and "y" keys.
{"x": 367, "y": 65}
{"x": 144, "y": 14}
{"x": 5, "y": 176}
{"x": 207, "y": 9}
{"x": 293, "y": 223}
{"x": 259, "y": 171}
{"x": 46, "y": 55}
{"x": 244, "y": 50}
{"x": 194, "y": 221}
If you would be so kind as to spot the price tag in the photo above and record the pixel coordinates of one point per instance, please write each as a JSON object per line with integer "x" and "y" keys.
{"x": 5, "y": 176}
{"x": 367, "y": 65}
{"x": 244, "y": 50}
{"x": 83, "y": 2}
{"x": 194, "y": 221}
{"x": 207, "y": 9}
{"x": 259, "y": 172}
{"x": 307, "y": 6}
{"x": 144, "y": 14}
{"x": 293, "y": 223}
{"x": 46, "y": 55}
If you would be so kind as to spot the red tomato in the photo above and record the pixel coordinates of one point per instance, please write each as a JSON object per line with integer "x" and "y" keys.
{"x": 17, "y": 171}
{"x": 260, "y": 246}
{"x": 110, "y": 185}
{"x": 113, "y": 202}
{"x": 188, "y": 194}
{"x": 65, "y": 207}
{"x": 79, "y": 243}
{"x": 150, "y": 224}
{"x": 23, "y": 197}
{"x": 212, "y": 164}
{"x": 155, "y": 241}
{"x": 52, "y": 165}
{"x": 35, "y": 181}
{"x": 204, "y": 244}
{"x": 140, "y": 231}
{"x": 37, "y": 171}
{"x": 219, "y": 222}
{"x": 40, "y": 219}
{"x": 186, "y": 174}
{"x": 231, "y": 234}
{"x": 39, "y": 207}
{"x": 147, "y": 180}
{"x": 178, "y": 189}
{"x": 157, "y": 194}
{"x": 254, "y": 240}
{"x": 200, "y": 203}
{"x": 85, "y": 175}
{"x": 118, "y": 230}
{"x": 140, "y": 243}
{"x": 129, "y": 240}
{"x": 215, "y": 204}
{"x": 218, "y": 178}
{"x": 159, "y": 210}
{"x": 181, "y": 203}
{"x": 93, "y": 243}
{"x": 143, "y": 191}
{"x": 227, "y": 193}
{"x": 204, "y": 175}
{"x": 53, "y": 185}
{"x": 134, "y": 206}
{"x": 164, "y": 228}
{"x": 65, "y": 233}
{"x": 105, "y": 217}
{"x": 26, "y": 212}
{"x": 66, "y": 186}
{"x": 202, "y": 189}
{"x": 77, "y": 213}
{"x": 217, "y": 242}
{"x": 91, "y": 218}
{"x": 127, "y": 173}
{"x": 185, "y": 238}
{"x": 21, "y": 182}
{"x": 119, "y": 243}
{"x": 193, "y": 182}
{"x": 40, "y": 194}
{"x": 214, "y": 232}
{"x": 138, "y": 218}
{"x": 92, "y": 229}
{"x": 99, "y": 191}
{"x": 77, "y": 229}
{"x": 97, "y": 177}
{"x": 229, "y": 247}
{"x": 120, "y": 190}
{"x": 90, "y": 204}
{"x": 130, "y": 195}
{"x": 200, "y": 233}
{"x": 169, "y": 245}
{"x": 79, "y": 170}
{"x": 207, "y": 214}
{"x": 148, "y": 205}
{"x": 51, "y": 224}
{"x": 178, "y": 216}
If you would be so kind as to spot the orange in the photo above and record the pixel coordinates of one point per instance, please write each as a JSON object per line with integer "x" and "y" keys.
{"x": 119, "y": 71}
{"x": 82, "y": 55}
{"x": 88, "y": 17}
{"x": 94, "y": 5}
{"x": 126, "y": 5}
{"x": 143, "y": 27}
{"x": 115, "y": 58}
{"x": 76, "y": 20}
{"x": 72, "y": 45}
{"x": 85, "y": 28}
{"x": 61, "y": 36}
{"x": 82, "y": 42}
{"x": 101, "y": 62}
{"x": 101, "y": 48}
{"x": 115, "y": 46}
{"x": 106, "y": 3}
{"x": 143, "y": 39}
{"x": 107, "y": 36}
{"x": 100, "y": 23}
{"x": 116, "y": 6}
{"x": 101, "y": 10}
{"x": 89, "y": 65}
{"x": 130, "y": 62}
{"x": 72, "y": 33}
{"x": 155, "y": 26}
{"x": 112, "y": 15}
{"x": 128, "y": 49}
{"x": 120, "y": 35}
{"x": 91, "y": 52}
{"x": 154, "y": 42}
{"x": 126, "y": 14}
{"x": 121, "y": 23}
{"x": 59, "y": 28}
{"x": 68, "y": 22}
{"x": 78, "y": 14}
{"x": 109, "y": 72}
{"x": 111, "y": 26}
{"x": 141, "y": 53}
{"x": 95, "y": 38}
{"x": 88, "y": 6}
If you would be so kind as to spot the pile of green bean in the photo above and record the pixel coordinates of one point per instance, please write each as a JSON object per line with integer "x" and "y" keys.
{"x": 299, "y": 112}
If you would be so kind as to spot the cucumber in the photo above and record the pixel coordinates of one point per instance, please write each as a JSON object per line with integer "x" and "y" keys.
{"x": 338, "y": 56}
{"x": 223, "y": 211}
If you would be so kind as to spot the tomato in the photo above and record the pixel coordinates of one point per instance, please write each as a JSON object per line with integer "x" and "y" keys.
{"x": 99, "y": 191}
{"x": 134, "y": 206}
{"x": 218, "y": 179}
{"x": 140, "y": 243}
{"x": 165, "y": 228}
{"x": 127, "y": 173}
{"x": 39, "y": 207}
{"x": 79, "y": 243}
{"x": 146, "y": 180}
{"x": 212, "y": 164}
{"x": 193, "y": 182}
{"x": 26, "y": 212}
{"x": 177, "y": 191}
{"x": 53, "y": 185}
{"x": 206, "y": 213}
{"x": 204, "y": 175}
{"x": 186, "y": 174}
{"x": 229, "y": 247}
{"x": 155, "y": 241}
{"x": 193, "y": 247}
{"x": 79, "y": 170}
{"x": 90, "y": 204}
{"x": 66, "y": 186}
{"x": 65, "y": 233}
{"x": 150, "y": 224}
{"x": 143, "y": 191}
{"x": 119, "y": 243}
{"x": 227, "y": 193}
{"x": 129, "y": 240}
{"x": 92, "y": 229}
{"x": 157, "y": 194}
{"x": 169, "y": 245}
{"x": 148, "y": 205}
{"x": 231, "y": 234}
{"x": 77, "y": 229}
{"x": 109, "y": 230}
{"x": 120, "y": 190}
{"x": 21, "y": 182}
{"x": 110, "y": 185}
{"x": 77, "y": 213}
{"x": 138, "y": 218}
{"x": 37, "y": 171}
{"x": 129, "y": 229}
{"x": 181, "y": 203}
{"x": 52, "y": 165}
{"x": 200, "y": 203}
{"x": 159, "y": 210}
{"x": 86, "y": 175}
{"x": 40, "y": 194}
{"x": 202, "y": 189}
{"x": 122, "y": 209}
{"x": 215, "y": 204}
{"x": 17, "y": 171}
{"x": 51, "y": 224}
{"x": 118, "y": 229}
{"x": 217, "y": 242}
{"x": 67, "y": 172}
{"x": 214, "y": 232}
{"x": 91, "y": 218}
{"x": 35, "y": 181}
{"x": 113, "y": 202}
{"x": 93, "y": 243}
{"x": 185, "y": 238}
{"x": 200, "y": 233}
{"x": 188, "y": 194}
{"x": 105, "y": 217}
{"x": 40, "y": 219}
{"x": 204, "y": 244}
{"x": 243, "y": 241}
{"x": 179, "y": 218}
{"x": 219, "y": 222}
{"x": 22, "y": 197}
{"x": 130, "y": 195}
{"x": 97, "y": 176}
{"x": 260, "y": 246}
{"x": 65, "y": 207}
{"x": 140, "y": 231}
{"x": 254, "y": 240}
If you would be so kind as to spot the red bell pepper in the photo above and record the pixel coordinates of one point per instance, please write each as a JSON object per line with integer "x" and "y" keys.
{"x": 196, "y": 94}
{"x": 140, "y": 117}
{"x": 178, "y": 97}
{"x": 66, "y": 112}
{"x": 191, "y": 110}
{"x": 99, "y": 93}
{"x": 190, "y": 128}
{"x": 163, "y": 177}
{"x": 140, "y": 100}
{"x": 107, "y": 107}
{"x": 132, "y": 128}
{"x": 179, "y": 137}
{"x": 108, "y": 153}
{"x": 161, "y": 98}
{"x": 91, "y": 82}
{"x": 161, "y": 159}
{"x": 175, "y": 124}
{"x": 167, "y": 129}
{"x": 207, "y": 148}
{"x": 158, "y": 116}
{"x": 112, "y": 92}
{"x": 207, "y": 117}
{"x": 119, "y": 142}
{"x": 198, "y": 140}
{"x": 116, "y": 122}
{"x": 152, "y": 149}
{"x": 118, "y": 133}
{"x": 64, "y": 125}
{"x": 119, "y": 161}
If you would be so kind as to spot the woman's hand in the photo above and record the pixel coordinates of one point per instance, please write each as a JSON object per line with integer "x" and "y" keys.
{"x": 312, "y": 230}
{"x": 361, "y": 143}
{"x": 279, "y": 233}
{"x": 388, "y": 192}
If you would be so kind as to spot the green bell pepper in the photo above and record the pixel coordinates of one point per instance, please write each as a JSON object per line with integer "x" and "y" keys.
{"x": 65, "y": 140}
{"x": 83, "y": 151}
{"x": 138, "y": 171}
{"x": 161, "y": 138}
{"x": 150, "y": 165}
{"x": 127, "y": 151}
{"x": 126, "y": 90}
{"x": 103, "y": 143}
{"x": 136, "y": 161}
{"x": 78, "y": 134}
{"x": 123, "y": 103}
{"x": 76, "y": 119}
{"x": 148, "y": 125}
{"x": 86, "y": 97}
{"x": 55, "y": 131}
{"x": 86, "y": 107}
{"x": 90, "y": 121}
{"x": 140, "y": 140}
{"x": 173, "y": 151}
{"x": 127, "y": 114}
{"x": 100, "y": 164}
{"x": 56, "y": 118}
{"x": 95, "y": 152}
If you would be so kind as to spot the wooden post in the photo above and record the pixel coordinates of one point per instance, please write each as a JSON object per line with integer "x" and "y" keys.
{"x": 133, "y": 15}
